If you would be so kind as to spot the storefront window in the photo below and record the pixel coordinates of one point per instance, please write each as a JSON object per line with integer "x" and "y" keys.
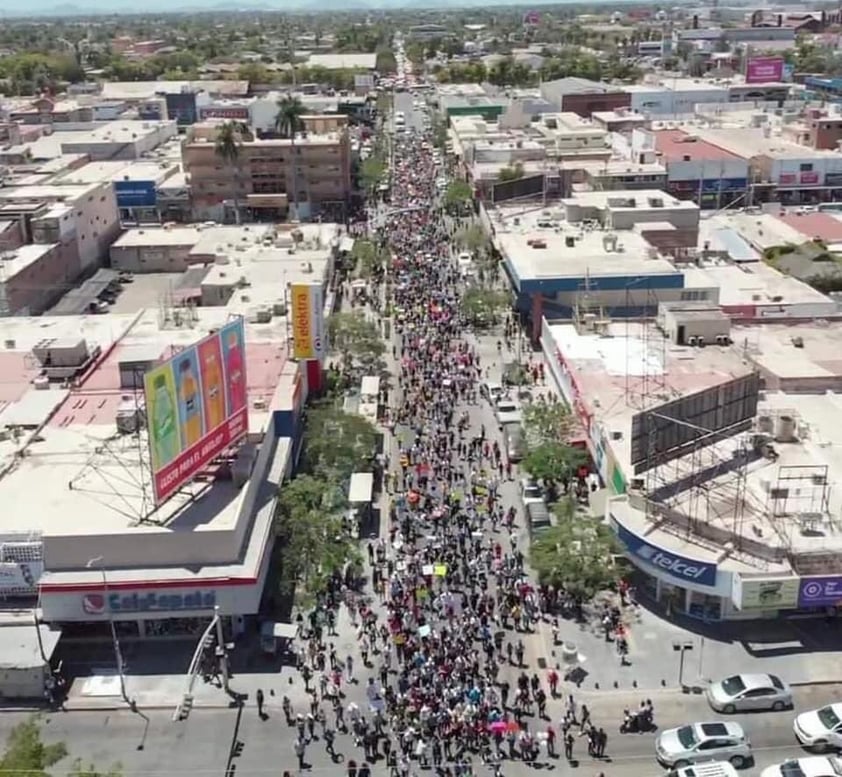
{"x": 673, "y": 597}
{"x": 705, "y": 607}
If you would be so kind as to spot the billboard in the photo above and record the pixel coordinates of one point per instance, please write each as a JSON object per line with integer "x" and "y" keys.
{"x": 764, "y": 593}
{"x": 671, "y": 430}
{"x": 136, "y": 194}
{"x": 820, "y": 592}
{"x": 196, "y": 407}
{"x": 525, "y": 186}
{"x": 308, "y": 320}
{"x": 763, "y": 70}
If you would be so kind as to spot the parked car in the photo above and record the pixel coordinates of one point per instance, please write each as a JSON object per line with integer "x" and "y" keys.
{"x": 811, "y": 766}
{"x": 820, "y": 729}
{"x": 538, "y": 519}
{"x": 717, "y": 741}
{"x": 530, "y": 491}
{"x": 711, "y": 769}
{"x": 749, "y": 692}
{"x": 514, "y": 443}
{"x": 507, "y": 411}
{"x": 491, "y": 391}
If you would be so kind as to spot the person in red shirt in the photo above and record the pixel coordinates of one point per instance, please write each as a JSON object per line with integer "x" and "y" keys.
{"x": 553, "y": 680}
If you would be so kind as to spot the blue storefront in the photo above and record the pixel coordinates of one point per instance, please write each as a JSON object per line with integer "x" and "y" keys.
{"x": 691, "y": 586}
{"x": 137, "y": 200}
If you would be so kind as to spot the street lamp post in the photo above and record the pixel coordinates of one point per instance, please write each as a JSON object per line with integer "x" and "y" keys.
{"x": 96, "y": 563}
{"x": 681, "y": 648}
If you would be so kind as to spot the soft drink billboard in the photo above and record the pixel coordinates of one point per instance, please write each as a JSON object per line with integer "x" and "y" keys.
{"x": 763, "y": 70}
{"x": 196, "y": 407}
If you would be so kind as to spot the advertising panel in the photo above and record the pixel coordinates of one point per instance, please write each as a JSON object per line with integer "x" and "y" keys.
{"x": 763, "y": 70}
{"x": 308, "y": 324}
{"x": 820, "y": 592}
{"x": 682, "y": 568}
{"x": 810, "y": 176}
{"x": 833, "y": 179}
{"x": 196, "y": 407}
{"x": 764, "y": 593}
{"x": 136, "y": 194}
{"x": 20, "y": 576}
{"x": 148, "y": 601}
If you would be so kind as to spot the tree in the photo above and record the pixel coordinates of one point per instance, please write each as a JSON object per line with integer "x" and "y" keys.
{"x": 27, "y": 754}
{"x": 385, "y": 62}
{"x": 547, "y": 421}
{"x": 371, "y": 173}
{"x": 358, "y": 341}
{"x": 510, "y": 173}
{"x": 555, "y": 463}
{"x": 80, "y": 770}
{"x": 288, "y": 122}
{"x": 458, "y": 194}
{"x": 577, "y": 554}
{"x": 229, "y": 140}
{"x": 337, "y": 444}
{"x": 369, "y": 258}
{"x": 309, "y": 528}
{"x": 481, "y": 306}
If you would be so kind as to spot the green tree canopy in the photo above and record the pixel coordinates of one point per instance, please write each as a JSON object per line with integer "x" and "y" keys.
{"x": 547, "y": 421}
{"x": 482, "y": 306}
{"x": 458, "y": 194}
{"x": 371, "y": 173}
{"x": 337, "y": 444}
{"x": 385, "y": 62}
{"x": 26, "y": 752}
{"x": 511, "y": 173}
{"x": 554, "y": 462}
{"x": 577, "y": 553}
{"x": 308, "y": 524}
{"x": 369, "y": 257}
{"x": 358, "y": 342}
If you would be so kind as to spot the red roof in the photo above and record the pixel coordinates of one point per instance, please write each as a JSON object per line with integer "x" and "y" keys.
{"x": 815, "y": 225}
{"x": 674, "y": 146}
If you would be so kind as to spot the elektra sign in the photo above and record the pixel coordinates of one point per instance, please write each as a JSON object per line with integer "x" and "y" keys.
{"x": 97, "y": 604}
{"x": 681, "y": 568}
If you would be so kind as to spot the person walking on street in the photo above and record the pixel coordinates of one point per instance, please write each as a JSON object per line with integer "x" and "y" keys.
{"x": 260, "y": 701}
{"x": 568, "y": 747}
{"x": 550, "y": 741}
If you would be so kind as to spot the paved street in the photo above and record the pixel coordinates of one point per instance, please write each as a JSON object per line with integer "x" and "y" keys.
{"x": 204, "y": 743}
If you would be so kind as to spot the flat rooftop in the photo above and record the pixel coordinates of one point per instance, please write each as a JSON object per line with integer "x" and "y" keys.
{"x": 814, "y": 364}
{"x": 153, "y": 237}
{"x": 622, "y": 199}
{"x": 17, "y": 260}
{"x": 675, "y": 145}
{"x": 96, "y": 172}
{"x": 754, "y": 284}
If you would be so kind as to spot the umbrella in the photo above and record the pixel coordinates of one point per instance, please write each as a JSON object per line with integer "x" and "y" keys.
{"x": 498, "y": 727}
{"x": 512, "y": 726}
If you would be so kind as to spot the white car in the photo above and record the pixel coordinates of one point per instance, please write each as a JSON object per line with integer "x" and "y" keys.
{"x": 811, "y": 766}
{"x": 821, "y": 728}
{"x": 531, "y": 492}
{"x": 491, "y": 391}
{"x": 716, "y": 741}
{"x": 507, "y": 411}
{"x": 749, "y": 692}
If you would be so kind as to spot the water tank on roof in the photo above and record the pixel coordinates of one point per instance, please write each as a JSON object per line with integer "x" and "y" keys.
{"x": 787, "y": 429}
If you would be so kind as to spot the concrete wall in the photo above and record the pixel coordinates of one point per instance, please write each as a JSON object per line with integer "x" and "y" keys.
{"x": 142, "y": 259}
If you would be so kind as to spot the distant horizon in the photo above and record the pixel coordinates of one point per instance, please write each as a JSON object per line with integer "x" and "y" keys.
{"x": 51, "y": 8}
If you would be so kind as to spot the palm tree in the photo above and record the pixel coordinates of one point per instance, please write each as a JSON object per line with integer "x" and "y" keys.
{"x": 288, "y": 122}
{"x": 229, "y": 140}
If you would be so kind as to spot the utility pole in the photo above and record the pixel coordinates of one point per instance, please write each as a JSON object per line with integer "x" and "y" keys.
{"x": 221, "y": 649}
{"x": 118, "y": 655}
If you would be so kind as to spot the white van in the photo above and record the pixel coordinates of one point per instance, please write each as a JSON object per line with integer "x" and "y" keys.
{"x": 708, "y": 769}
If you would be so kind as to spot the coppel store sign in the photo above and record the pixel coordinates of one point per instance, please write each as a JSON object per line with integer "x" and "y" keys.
{"x": 115, "y": 603}
{"x": 680, "y": 568}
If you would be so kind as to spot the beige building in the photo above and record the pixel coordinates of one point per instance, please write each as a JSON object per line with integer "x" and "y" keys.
{"x": 265, "y": 182}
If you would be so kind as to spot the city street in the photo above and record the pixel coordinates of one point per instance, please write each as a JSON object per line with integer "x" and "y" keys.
{"x": 205, "y": 742}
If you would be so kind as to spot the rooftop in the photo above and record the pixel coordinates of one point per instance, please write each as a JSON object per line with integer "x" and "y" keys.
{"x": 343, "y": 61}
{"x": 675, "y": 145}
{"x": 17, "y": 260}
{"x": 590, "y": 255}
{"x": 150, "y": 237}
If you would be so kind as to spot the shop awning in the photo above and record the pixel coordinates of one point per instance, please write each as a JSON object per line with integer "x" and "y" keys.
{"x": 361, "y": 489}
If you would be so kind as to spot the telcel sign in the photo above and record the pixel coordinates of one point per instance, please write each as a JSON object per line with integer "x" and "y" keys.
{"x": 680, "y": 567}
{"x": 114, "y": 603}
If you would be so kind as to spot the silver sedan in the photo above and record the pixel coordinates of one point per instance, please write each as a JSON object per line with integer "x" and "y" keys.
{"x": 749, "y": 692}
